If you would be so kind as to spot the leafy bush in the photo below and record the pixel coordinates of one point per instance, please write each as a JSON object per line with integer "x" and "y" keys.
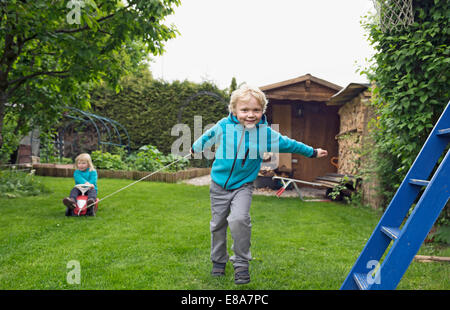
{"x": 14, "y": 183}
{"x": 411, "y": 74}
{"x": 442, "y": 234}
{"x": 105, "y": 160}
{"x": 147, "y": 158}
{"x": 55, "y": 160}
{"x": 180, "y": 165}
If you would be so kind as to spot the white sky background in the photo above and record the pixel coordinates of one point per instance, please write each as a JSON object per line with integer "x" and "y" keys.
{"x": 266, "y": 41}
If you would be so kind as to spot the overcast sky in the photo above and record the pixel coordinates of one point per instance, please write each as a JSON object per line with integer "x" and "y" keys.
{"x": 266, "y": 41}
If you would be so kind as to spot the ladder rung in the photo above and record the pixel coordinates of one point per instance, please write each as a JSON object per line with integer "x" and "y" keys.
{"x": 418, "y": 182}
{"x": 444, "y": 132}
{"x": 391, "y": 232}
{"x": 361, "y": 281}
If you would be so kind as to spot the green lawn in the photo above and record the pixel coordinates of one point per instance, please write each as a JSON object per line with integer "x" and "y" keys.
{"x": 156, "y": 236}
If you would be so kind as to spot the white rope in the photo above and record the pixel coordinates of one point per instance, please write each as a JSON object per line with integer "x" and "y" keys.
{"x": 141, "y": 179}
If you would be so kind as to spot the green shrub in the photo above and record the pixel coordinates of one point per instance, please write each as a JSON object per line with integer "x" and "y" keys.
{"x": 442, "y": 234}
{"x": 105, "y": 160}
{"x": 55, "y": 160}
{"x": 14, "y": 183}
{"x": 411, "y": 74}
{"x": 147, "y": 158}
{"x": 180, "y": 165}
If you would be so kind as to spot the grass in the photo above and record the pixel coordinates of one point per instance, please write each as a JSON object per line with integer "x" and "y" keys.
{"x": 156, "y": 236}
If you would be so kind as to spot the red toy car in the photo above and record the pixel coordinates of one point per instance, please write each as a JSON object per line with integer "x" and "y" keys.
{"x": 82, "y": 208}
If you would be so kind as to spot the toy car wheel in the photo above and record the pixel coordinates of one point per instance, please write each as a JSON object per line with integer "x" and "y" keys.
{"x": 68, "y": 211}
{"x": 90, "y": 211}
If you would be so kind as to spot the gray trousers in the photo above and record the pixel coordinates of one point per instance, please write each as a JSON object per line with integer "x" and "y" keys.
{"x": 231, "y": 208}
{"x": 75, "y": 192}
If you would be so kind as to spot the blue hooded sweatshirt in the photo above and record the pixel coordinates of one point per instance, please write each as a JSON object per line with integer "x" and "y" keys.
{"x": 239, "y": 150}
{"x": 82, "y": 177}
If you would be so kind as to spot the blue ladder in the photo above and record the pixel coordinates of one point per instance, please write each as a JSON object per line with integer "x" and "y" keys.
{"x": 368, "y": 273}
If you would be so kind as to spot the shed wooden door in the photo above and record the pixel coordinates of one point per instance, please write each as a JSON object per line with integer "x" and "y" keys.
{"x": 317, "y": 126}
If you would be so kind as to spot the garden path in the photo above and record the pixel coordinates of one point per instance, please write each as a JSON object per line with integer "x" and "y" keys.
{"x": 306, "y": 191}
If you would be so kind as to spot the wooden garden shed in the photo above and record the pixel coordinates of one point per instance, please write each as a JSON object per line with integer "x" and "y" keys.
{"x": 299, "y": 107}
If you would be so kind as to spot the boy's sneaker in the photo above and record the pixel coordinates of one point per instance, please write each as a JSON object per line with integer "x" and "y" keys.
{"x": 69, "y": 202}
{"x": 241, "y": 275}
{"x": 218, "y": 269}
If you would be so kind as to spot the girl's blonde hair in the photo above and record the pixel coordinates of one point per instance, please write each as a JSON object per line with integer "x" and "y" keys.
{"x": 84, "y": 157}
{"x": 244, "y": 93}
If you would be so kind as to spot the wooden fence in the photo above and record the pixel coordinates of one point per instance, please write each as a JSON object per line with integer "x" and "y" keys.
{"x": 55, "y": 170}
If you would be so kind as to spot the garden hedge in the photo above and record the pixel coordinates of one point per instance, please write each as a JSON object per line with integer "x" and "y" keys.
{"x": 150, "y": 108}
{"x": 411, "y": 74}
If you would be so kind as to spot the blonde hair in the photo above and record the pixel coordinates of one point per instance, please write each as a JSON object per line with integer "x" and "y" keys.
{"x": 84, "y": 157}
{"x": 244, "y": 93}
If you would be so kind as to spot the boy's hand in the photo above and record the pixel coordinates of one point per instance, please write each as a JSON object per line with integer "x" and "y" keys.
{"x": 321, "y": 153}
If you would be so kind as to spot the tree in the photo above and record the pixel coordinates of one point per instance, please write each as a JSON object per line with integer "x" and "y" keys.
{"x": 233, "y": 85}
{"x": 52, "y": 51}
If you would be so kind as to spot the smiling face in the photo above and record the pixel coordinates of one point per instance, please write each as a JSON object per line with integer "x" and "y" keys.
{"x": 248, "y": 112}
{"x": 82, "y": 165}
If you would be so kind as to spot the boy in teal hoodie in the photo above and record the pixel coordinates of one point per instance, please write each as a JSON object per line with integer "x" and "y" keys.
{"x": 240, "y": 141}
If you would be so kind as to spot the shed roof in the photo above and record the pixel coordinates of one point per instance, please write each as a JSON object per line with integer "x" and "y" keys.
{"x": 348, "y": 93}
{"x": 305, "y": 87}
